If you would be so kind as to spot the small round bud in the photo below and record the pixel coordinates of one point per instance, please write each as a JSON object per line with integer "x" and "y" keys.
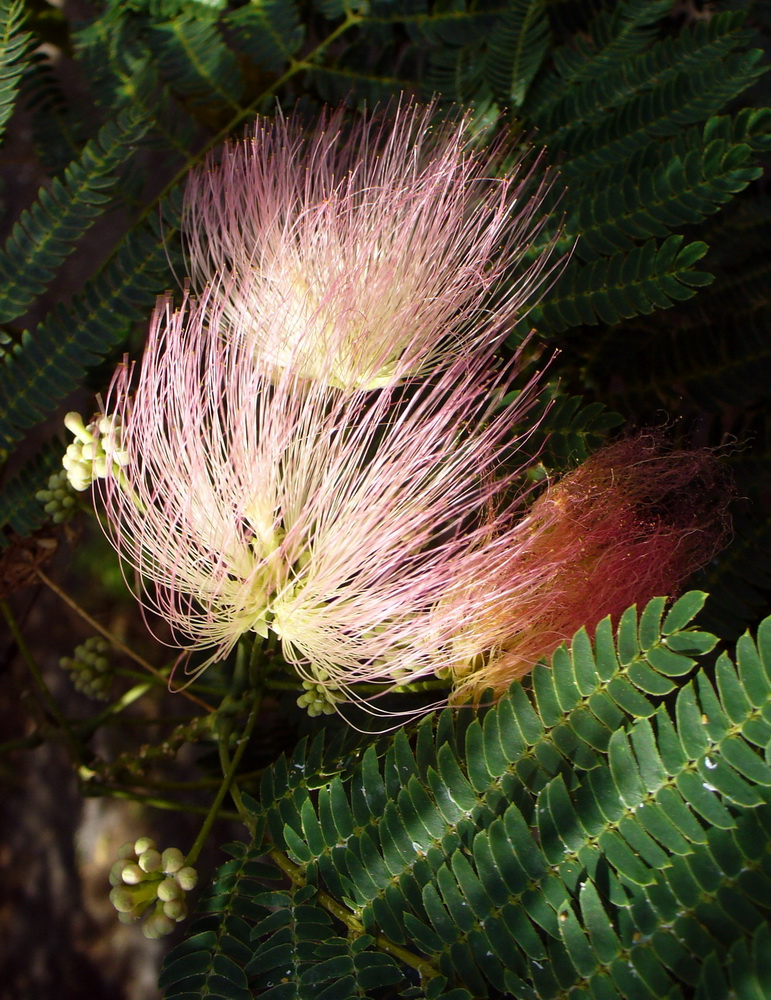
{"x": 175, "y": 909}
{"x": 122, "y": 899}
{"x": 150, "y": 860}
{"x": 143, "y": 844}
{"x": 187, "y": 878}
{"x": 169, "y": 889}
{"x": 172, "y": 860}
{"x": 132, "y": 874}
{"x": 128, "y": 918}
{"x": 116, "y": 872}
{"x": 126, "y": 850}
{"x": 157, "y": 925}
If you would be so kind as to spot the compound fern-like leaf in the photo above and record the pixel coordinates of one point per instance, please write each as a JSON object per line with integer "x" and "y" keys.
{"x": 14, "y": 44}
{"x": 516, "y": 49}
{"x": 48, "y": 232}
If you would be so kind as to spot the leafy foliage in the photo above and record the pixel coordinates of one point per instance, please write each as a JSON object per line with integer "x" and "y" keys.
{"x": 18, "y": 507}
{"x": 586, "y": 831}
{"x": 517, "y": 50}
{"x": 13, "y": 46}
{"x": 49, "y": 231}
{"x": 40, "y": 365}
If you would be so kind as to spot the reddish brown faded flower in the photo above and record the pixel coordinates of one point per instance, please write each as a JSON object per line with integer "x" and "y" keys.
{"x": 365, "y": 253}
{"x": 630, "y": 523}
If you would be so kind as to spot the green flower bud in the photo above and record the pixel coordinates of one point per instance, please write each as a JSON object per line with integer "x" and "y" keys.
{"x": 122, "y": 899}
{"x": 116, "y": 872}
{"x": 126, "y": 850}
{"x": 175, "y": 909}
{"x": 169, "y": 889}
{"x": 150, "y": 860}
{"x": 172, "y": 860}
{"x": 187, "y": 878}
{"x": 319, "y": 699}
{"x": 143, "y": 844}
{"x": 157, "y": 925}
{"x": 132, "y": 874}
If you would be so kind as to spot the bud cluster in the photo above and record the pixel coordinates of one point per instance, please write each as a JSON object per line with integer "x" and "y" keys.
{"x": 150, "y": 884}
{"x": 319, "y": 698}
{"x": 95, "y": 452}
{"x": 89, "y": 668}
{"x": 58, "y": 499}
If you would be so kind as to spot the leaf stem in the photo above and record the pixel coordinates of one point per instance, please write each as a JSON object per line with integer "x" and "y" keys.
{"x": 296, "y": 875}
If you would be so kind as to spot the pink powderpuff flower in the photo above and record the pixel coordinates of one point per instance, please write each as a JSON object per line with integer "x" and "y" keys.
{"x": 367, "y": 253}
{"x": 337, "y": 521}
{"x": 631, "y": 523}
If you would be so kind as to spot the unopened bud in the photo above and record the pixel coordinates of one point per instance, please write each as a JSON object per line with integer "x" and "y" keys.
{"x": 187, "y": 878}
{"x": 116, "y": 872}
{"x": 122, "y": 899}
{"x": 169, "y": 889}
{"x": 175, "y": 909}
{"x": 132, "y": 874}
{"x": 172, "y": 860}
{"x": 150, "y": 860}
{"x": 157, "y": 925}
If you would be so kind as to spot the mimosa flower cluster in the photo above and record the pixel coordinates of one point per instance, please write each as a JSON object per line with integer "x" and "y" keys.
{"x": 316, "y": 445}
{"x": 363, "y": 255}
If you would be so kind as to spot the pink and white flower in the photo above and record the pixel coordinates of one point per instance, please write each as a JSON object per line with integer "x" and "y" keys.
{"x": 253, "y": 500}
{"x": 366, "y": 253}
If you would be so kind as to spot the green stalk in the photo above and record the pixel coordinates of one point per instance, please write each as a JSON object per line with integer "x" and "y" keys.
{"x": 231, "y": 766}
{"x": 355, "y": 927}
{"x": 157, "y": 803}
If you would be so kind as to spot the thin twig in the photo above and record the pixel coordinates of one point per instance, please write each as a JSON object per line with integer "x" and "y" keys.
{"x": 114, "y": 641}
{"x": 49, "y": 701}
{"x": 231, "y": 766}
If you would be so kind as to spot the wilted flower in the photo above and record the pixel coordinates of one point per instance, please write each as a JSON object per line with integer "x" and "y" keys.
{"x": 369, "y": 254}
{"x": 630, "y": 523}
{"x": 335, "y": 520}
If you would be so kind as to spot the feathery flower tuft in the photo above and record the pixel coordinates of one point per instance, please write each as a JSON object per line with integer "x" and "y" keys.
{"x": 365, "y": 255}
{"x": 630, "y": 523}
{"x": 336, "y": 520}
